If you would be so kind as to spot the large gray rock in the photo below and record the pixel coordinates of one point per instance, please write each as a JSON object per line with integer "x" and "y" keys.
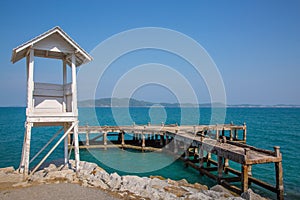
{"x": 200, "y": 195}
{"x": 50, "y": 168}
{"x": 38, "y": 176}
{"x": 250, "y": 195}
{"x": 90, "y": 175}
{"x": 87, "y": 166}
{"x": 98, "y": 183}
{"x": 114, "y": 181}
{"x": 133, "y": 184}
{"x": 157, "y": 183}
{"x": 218, "y": 188}
{"x": 99, "y": 173}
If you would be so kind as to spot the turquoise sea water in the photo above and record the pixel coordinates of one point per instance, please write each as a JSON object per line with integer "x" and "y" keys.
{"x": 266, "y": 127}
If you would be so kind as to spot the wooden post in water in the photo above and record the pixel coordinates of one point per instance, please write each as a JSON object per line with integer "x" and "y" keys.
{"x": 155, "y": 137}
{"x": 217, "y": 134}
{"x": 161, "y": 137}
{"x": 250, "y": 171}
{"x": 201, "y": 159}
{"x": 123, "y": 140}
{"x": 244, "y": 178}
{"x": 143, "y": 142}
{"x": 236, "y": 134}
{"x": 167, "y": 141}
{"x": 186, "y": 151}
{"x": 223, "y": 132}
{"x": 220, "y": 168}
{"x": 87, "y": 138}
{"x": 208, "y": 159}
{"x": 279, "y": 175}
{"x": 226, "y": 161}
{"x": 105, "y": 139}
{"x": 175, "y": 146}
{"x": 244, "y": 132}
{"x": 244, "y": 174}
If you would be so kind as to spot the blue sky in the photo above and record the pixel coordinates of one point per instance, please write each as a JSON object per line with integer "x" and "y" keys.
{"x": 255, "y": 44}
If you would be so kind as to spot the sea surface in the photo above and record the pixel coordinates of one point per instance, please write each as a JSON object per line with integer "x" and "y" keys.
{"x": 266, "y": 128}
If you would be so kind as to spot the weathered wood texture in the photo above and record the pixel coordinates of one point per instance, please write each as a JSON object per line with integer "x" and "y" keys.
{"x": 195, "y": 140}
{"x": 51, "y": 104}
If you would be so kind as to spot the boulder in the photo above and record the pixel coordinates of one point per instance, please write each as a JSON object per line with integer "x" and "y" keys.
{"x": 200, "y": 195}
{"x": 157, "y": 183}
{"x": 250, "y": 195}
{"x": 218, "y": 188}
{"x": 114, "y": 181}
{"x": 99, "y": 184}
{"x": 50, "y": 168}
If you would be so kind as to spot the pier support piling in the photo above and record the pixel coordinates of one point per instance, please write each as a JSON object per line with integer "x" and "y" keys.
{"x": 279, "y": 175}
{"x": 220, "y": 168}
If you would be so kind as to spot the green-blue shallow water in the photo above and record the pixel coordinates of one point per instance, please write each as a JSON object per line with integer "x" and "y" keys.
{"x": 266, "y": 127}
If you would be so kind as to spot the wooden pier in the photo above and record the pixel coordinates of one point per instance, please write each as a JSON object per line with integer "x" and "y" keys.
{"x": 196, "y": 145}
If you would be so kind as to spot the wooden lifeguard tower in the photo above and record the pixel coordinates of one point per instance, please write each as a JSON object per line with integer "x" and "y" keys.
{"x": 51, "y": 104}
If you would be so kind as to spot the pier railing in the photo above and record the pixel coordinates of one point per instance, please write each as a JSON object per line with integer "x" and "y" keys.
{"x": 196, "y": 144}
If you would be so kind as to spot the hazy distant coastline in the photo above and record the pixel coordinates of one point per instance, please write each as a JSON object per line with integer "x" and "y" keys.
{"x": 123, "y": 102}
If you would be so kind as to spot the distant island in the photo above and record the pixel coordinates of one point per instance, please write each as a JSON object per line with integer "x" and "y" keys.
{"x": 123, "y": 102}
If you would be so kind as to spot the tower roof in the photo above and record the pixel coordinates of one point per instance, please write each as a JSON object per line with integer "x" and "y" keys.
{"x": 54, "y": 43}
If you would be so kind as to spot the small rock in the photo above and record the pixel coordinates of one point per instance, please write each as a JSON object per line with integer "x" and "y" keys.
{"x": 182, "y": 182}
{"x": 51, "y": 168}
{"x": 158, "y": 177}
{"x": 189, "y": 189}
{"x": 64, "y": 167}
{"x": 172, "y": 182}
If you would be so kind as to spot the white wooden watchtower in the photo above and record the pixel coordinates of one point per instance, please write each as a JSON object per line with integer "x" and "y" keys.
{"x": 51, "y": 104}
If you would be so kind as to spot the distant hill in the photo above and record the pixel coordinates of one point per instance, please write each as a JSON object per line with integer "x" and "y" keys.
{"x": 123, "y": 102}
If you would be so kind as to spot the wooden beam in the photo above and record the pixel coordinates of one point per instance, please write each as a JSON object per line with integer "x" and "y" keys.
{"x": 279, "y": 175}
{"x": 76, "y": 144}
{"x": 74, "y": 86}
{"x": 46, "y": 145}
{"x": 30, "y": 82}
{"x": 66, "y": 153}
{"x": 245, "y": 132}
{"x": 220, "y": 168}
{"x": 64, "y": 83}
{"x": 87, "y": 138}
{"x": 54, "y": 147}
{"x": 24, "y": 165}
{"x": 244, "y": 178}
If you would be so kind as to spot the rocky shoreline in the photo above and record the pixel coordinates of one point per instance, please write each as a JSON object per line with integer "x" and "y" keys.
{"x": 122, "y": 187}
